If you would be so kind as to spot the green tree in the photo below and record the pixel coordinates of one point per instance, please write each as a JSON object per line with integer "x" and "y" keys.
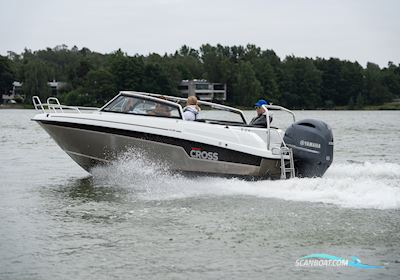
{"x": 100, "y": 86}
{"x": 6, "y": 75}
{"x": 36, "y": 75}
{"x": 377, "y": 92}
{"x": 301, "y": 83}
{"x": 331, "y": 75}
{"x": 187, "y": 62}
{"x": 127, "y": 71}
{"x": 266, "y": 76}
{"x": 359, "y": 101}
{"x": 248, "y": 71}
{"x": 156, "y": 80}
{"x": 391, "y": 79}
{"x": 216, "y": 64}
{"x": 246, "y": 89}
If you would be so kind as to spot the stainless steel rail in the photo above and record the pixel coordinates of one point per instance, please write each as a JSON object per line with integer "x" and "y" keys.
{"x": 284, "y": 150}
{"x": 53, "y": 105}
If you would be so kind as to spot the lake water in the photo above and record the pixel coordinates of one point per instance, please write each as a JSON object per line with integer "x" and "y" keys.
{"x": 135, "y": 220}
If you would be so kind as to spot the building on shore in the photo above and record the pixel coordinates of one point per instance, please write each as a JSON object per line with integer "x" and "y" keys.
{"x": 203, "y": 89}
{"x": 14, "y": 94}
{"x": 56, "y": 86}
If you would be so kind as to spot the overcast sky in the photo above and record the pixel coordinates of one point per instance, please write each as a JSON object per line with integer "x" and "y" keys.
{"x": 355, "y": 30}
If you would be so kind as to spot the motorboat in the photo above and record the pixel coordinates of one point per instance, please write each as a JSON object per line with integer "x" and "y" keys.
{"x": 219, "y": 142}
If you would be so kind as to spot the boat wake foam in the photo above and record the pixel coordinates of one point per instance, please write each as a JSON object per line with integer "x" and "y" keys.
{"x": 352, "y": 185}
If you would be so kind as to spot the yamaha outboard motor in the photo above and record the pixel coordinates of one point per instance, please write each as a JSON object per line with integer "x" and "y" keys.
{"x": 312, "y": 144}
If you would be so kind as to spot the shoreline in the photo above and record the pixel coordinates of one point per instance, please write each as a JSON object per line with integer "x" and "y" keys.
{"x": 392, "y": 106}
{"x": 16, "y": 106}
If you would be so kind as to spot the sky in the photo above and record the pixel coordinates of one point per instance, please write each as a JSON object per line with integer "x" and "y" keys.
{"x": 355, "y": 30}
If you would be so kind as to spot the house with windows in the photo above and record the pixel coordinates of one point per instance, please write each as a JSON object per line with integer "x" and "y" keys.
{"x": 56, "y": 86}
{"x": 203, "y": 89}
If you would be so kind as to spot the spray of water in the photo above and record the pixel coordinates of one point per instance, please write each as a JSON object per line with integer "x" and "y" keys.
{"x": 354, "y": 185}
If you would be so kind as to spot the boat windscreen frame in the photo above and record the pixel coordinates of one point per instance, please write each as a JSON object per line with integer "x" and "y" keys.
{"x": 200, "y": 102}
{"x": 140, "y": 95}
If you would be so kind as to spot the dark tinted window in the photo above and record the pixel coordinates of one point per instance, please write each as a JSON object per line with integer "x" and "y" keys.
{"x": 201, "y": 86}
{"x": 219, "y": 87}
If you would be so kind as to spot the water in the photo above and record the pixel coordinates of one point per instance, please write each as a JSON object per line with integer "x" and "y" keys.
{"x": 137, "y": 220}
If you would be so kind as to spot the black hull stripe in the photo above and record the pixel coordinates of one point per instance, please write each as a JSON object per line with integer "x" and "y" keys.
{"x": 224, "y": 154}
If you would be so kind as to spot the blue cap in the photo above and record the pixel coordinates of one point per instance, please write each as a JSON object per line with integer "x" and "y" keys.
{"x": 261, "y": 102}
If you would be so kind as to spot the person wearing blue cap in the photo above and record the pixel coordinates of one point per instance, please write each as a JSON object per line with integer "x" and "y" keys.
{"x": 260, "y": 119}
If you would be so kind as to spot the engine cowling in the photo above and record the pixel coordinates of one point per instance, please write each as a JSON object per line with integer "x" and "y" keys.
{"x": 312, "y": 144}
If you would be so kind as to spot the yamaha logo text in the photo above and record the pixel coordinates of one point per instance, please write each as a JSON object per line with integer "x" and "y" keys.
{"x": 310, "y": 144}
{"x": 201, "y": 154}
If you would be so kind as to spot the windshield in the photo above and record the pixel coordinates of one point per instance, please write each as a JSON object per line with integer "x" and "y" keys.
{"x": 217, "y": 113}
{"x": 142, "y": 106}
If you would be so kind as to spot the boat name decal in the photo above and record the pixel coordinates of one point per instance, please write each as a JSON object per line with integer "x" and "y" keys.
{"x": 310, "y": 144}
{"x": 201, "y": 154}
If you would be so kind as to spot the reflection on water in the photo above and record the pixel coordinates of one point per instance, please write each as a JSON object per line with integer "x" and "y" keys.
{"x": 82, "y": 200}
{"x": 84, "y": 190}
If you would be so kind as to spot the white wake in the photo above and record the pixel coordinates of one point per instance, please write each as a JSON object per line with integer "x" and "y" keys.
{"x": 353, "y": 185}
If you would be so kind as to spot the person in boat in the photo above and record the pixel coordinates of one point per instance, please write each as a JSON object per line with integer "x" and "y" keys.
{"x": 160, "y": 109}
{"x": 192, "y": 109}
{"x": 129, "y": 105}
{"x": 260, "y": 119}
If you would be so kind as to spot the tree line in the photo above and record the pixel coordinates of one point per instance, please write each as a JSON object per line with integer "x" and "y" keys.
{"x": 250, "y": 73}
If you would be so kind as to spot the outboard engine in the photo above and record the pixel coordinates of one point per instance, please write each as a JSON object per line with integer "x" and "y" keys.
{"x": 312, "y": 144}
